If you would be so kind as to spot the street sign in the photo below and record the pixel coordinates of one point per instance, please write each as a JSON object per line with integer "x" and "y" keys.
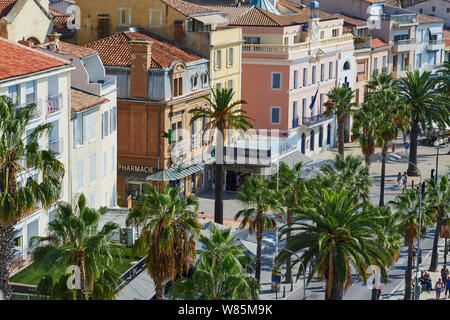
{"x": 445, "y": 229}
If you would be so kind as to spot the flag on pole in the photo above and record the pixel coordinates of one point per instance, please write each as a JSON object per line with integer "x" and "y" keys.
{"x": 311, "y": 106}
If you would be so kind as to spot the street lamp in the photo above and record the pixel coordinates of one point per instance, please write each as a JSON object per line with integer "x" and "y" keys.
{"x": 437, "y": 144}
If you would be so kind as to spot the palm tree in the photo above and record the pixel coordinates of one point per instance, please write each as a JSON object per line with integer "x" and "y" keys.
{"x": 223, "y": 116}
{"x": 290, "y": 187}
{"x": 219, "y": 273}
{"x": 391, "y": 118}
{"x": 340, "y": 104}
{"x": 260, "y": 197}
{"x": 407, "y": 207}
{"x": 426, "y": 105}
{"x": 17, "y": 201}
{"x": 168, "y": 234}
{"x": 74, "y": 240}
{"x": 337, "y": 233}
{"x": 350, "y": 175}
{"x": 364, "y": 128}
{"x": 438, "y": 203}
{"x": 444, "y": 79}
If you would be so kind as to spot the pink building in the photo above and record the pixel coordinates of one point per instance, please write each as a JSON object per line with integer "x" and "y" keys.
{"x": 291, "y": 57}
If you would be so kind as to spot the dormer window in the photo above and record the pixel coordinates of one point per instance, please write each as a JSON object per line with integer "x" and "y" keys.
{"x": 204, "y": 78}
{"x": 177, "y": 80}
{"x": 194, "y": 81}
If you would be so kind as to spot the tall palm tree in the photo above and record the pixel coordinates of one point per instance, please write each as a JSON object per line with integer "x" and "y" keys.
{"x": 290, "y": 186}
{"x": 168, "y": 235}
{"x": 338, "y": 234}
{"x": 219, "y": 272}
{"x": 438, "y": 203}
{"x": 17, "y": 201}
{"x": 444, "y": 79}
{"x": 74, "y": 239}
{"x": 260, "y": 197}
{"x": 340, "y": 104}
{"x": 391, "y": 119}
{"x": 426, "y": 104}
{"x": 223, "y": 115}
{"x": 407, "y": 207}
{"x": 351, "y": 174}
{"x": 364, "y": 128}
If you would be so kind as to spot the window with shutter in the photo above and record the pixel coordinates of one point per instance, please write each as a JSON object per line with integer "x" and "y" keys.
{"x": 92, "y": 167}
{"x": 80, "y": 175}
{"x": 105, "y": 164}
{"x": 84, "y": 125}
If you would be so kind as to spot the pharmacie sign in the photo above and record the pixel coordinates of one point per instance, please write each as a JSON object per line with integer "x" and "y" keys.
{"x": 135, "y": 168}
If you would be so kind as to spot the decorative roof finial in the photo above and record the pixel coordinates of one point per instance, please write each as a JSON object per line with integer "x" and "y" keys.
{"x": 314, "y": 6}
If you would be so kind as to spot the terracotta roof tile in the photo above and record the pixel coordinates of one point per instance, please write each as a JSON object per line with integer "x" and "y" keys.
{"x": 18, "y": 60}
{"x": 115, "y": 50}
{"x": 424, "y": 18}
{"x": 6, "y": 6}
{"x": 186, "y": 8}
{"x": 81, "y": 100}
{"x": 70, "y": 49}
{"x": 377, "y": 43}
{"x": 446, "y": 36}
{"x": 351, "y": 20}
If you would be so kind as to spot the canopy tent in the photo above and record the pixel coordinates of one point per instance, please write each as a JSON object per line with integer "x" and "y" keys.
{"x": 435, "y": 30}
{"x": 173, "y": 173}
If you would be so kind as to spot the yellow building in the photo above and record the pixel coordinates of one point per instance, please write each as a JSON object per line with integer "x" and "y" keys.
{"x": 197, "y": 28}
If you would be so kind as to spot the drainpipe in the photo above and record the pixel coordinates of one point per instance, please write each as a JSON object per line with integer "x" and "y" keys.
{"x": 159, "y": 140}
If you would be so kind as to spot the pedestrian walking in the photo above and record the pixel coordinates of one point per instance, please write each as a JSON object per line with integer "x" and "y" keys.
{"x": 444, "y": 274}
{"x": 406, "y": 150}
{"x": 438, "y": 288}
{"x": 447, "y": 287}
{"x": 399, "y": 179}
{"x": 405, "y": 179}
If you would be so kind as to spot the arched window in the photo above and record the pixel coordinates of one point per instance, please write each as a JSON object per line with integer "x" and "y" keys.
{"x": 346, "y": 65}
{"x": 204, "y": 78}
{"x": 194, "y": 81}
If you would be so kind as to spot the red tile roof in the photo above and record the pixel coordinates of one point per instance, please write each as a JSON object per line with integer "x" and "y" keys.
{"x": 70, "y": 49}
{"x": 351, "y": 20}
{"x": 186, "y": 8}
{"x": 115, "y": 50}
{"x": 17, "y": 60}
{"x": 6, "y": 6}
{"x": 81, "y": 100}
{"x": 424, "y": 18}
{"x": 446, "y": 36}
{"x": 377, "y": 43}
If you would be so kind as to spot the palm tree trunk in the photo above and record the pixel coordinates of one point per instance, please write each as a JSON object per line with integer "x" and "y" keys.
{"x": 375, "y": 294}
{"x": 341, "y": 135}
{"x": 412, "y": 170}
{"x": 434, "y": 254}
{"x": 218, "y": 204}
{"x": 337, "y": 291}
{"x": 6, "y": 258}
{"x": 408, "y": 278}
{"x": 259, "y": 236}
{"x": 288, "y": 261}
{"x": 159, "y": 290}
{"x": 383, "y": 173}
{"x": 367, "y": 160}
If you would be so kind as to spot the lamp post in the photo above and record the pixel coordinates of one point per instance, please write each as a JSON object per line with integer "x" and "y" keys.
{"x": 437, "y": 144}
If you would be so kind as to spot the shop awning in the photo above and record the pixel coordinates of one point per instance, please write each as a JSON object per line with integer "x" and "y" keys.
{"x": 173, "y": 173}
{"x": 435, "y": 30}
{"x": 291, "y": 160}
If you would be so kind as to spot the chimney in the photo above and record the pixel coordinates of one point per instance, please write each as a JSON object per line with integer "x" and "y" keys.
{"x": 141, "y": 58}
{"x": 53, "y": 40}
{"x": 179, "y": 32}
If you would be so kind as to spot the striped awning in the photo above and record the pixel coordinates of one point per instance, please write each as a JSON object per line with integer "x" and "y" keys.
{"x": 174, "y": 173}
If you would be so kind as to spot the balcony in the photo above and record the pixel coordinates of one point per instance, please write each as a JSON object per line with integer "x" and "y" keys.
{"x": 310, "y": 121}
{"x": 400, "y": 73}
{"x": 56, "y": 146}
{"x": 404, "y": 45}
{"x": 404, "y": 20}
{"x": 361, "y": 77}
{"x": 54, "y": 103}
{"x": 434, "y": 45}
{"x": 37, "y": 111}
{"x": 363, "y": 43}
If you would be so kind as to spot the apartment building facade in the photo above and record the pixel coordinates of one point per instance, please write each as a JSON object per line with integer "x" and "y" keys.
{"x": 191, "y": 26}
{"x": 157, "y": 84}
{"x": 93, "y": 124}
{"x": 437, "y": 8}
{"x": 28, "y": 76}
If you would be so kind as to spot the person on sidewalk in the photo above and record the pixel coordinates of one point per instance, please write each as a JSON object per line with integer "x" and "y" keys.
{"x": 444, "y": 274}
{"x": 406, "y": 150}
{"x": 447, "y": 287}
{"x": 428, "y": 281}
{"x": 405, "y": 179}
{"x": 399, "y": 179}
{"x": 438, "y": 287}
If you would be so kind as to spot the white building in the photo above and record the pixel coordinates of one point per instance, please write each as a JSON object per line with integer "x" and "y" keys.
{"x": 93, "y": 125}
{"x": 29, "y": 76}
{"x": 438, "y": 8}
{"x": 430, "y": 43}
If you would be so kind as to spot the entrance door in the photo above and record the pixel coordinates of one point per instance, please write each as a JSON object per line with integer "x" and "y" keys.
{"x": 303, "y": 143}
{"x": 311, "y": 146}
{"x": 329, "y": 133}
{"x": 320, "y": 136}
